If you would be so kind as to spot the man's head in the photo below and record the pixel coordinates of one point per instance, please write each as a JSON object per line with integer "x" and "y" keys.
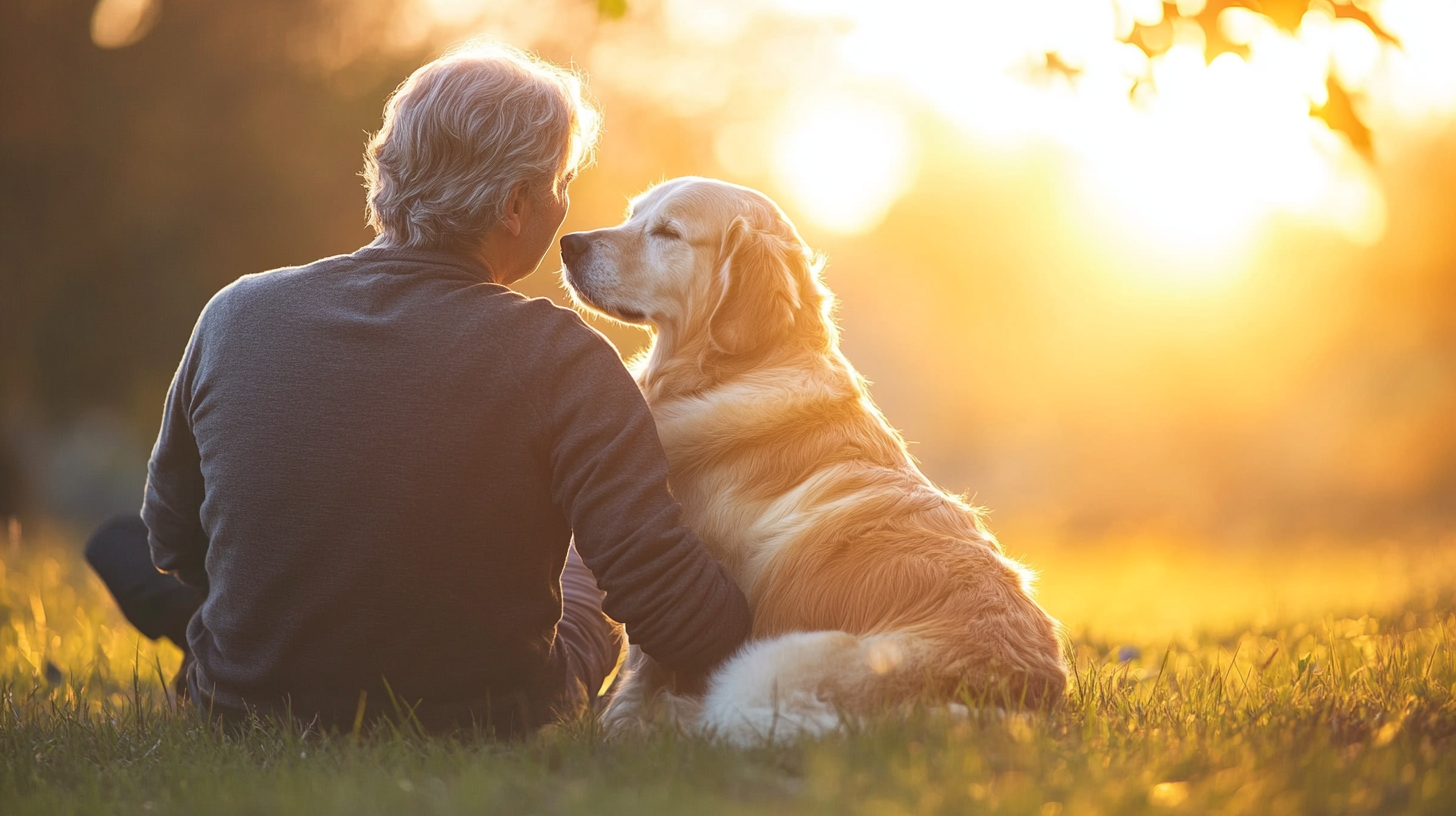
{"x": 470, "y": 136}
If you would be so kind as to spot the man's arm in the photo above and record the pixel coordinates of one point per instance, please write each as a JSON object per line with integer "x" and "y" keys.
{"x": 609, "y": 475}
{"x": 173, "y": 502}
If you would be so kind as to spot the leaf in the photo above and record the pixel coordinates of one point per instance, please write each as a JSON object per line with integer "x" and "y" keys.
{"x": 1054, "y": 64}
{"x": 1156, "y": 39}
{"x": 1287, "y": 14}
{"x": 612, "y": 9}
{"x": 1354, "y": 12}
{"x": 1214, "y": 41}
{"x": 1339, "y": 113}
{"x": 1152, "y": 39}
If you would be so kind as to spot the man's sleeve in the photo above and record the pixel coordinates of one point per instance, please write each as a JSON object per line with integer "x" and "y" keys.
{"x": 609, "y": 476}
{"x": 173, "y": 502}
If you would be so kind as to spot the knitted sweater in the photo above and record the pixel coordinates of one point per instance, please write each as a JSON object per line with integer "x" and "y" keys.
{"x": 373, "y": 466}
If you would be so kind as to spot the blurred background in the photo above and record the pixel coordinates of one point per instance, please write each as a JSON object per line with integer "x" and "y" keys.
{"x": 1119, "y": 269}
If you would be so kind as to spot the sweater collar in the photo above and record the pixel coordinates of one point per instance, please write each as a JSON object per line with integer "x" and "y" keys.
{"x": 458, "y": 261}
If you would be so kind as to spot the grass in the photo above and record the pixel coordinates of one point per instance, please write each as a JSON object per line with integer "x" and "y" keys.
{"x": 1266, "y": 703}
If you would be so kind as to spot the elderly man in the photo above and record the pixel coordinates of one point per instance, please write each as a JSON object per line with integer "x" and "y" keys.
{"x": 370, "y": 468}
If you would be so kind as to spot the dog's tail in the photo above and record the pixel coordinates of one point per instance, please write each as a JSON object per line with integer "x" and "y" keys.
{"x": 804, "y": 683}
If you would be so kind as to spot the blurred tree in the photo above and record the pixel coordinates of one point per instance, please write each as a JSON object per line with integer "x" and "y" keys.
{"x": 12, "y": 487}
{"x": 135, "y": 182}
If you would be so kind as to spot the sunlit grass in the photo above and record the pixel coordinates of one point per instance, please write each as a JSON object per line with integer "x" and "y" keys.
{"x": 60, "y": 633}
{"x": 1152, "y": 589}
{"x": 1337, "y": 698}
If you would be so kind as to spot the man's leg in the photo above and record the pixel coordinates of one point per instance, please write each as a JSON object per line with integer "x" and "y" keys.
{"x": 591, "y": 643}
{"x": 154, "y": 602}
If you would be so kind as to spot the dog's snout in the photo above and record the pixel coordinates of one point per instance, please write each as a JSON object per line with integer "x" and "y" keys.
{"x": 573, "y": 246}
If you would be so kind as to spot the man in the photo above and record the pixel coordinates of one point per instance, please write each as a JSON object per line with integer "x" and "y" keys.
{"x": 370, "y": 468}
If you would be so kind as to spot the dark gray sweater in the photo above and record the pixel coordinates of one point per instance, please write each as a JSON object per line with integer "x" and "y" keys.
{"x": 373, "y": 466}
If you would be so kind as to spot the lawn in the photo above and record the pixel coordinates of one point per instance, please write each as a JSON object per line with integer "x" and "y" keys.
{"x": 1313, "y": 679}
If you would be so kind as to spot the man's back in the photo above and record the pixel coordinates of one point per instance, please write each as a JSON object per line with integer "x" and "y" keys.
{"x": 390, "y": 456}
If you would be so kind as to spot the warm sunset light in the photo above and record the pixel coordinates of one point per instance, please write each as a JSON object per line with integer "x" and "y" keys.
{"x": 1158, "y": 294}
{"x": 1190, "y": 155}
{"x": 844, "y": 163}
{"x": 1129, "y": 201}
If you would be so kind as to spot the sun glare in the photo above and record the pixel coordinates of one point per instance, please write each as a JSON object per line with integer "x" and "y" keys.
{"x": 844, "y": 163}
{"x": 1182, "y": 154}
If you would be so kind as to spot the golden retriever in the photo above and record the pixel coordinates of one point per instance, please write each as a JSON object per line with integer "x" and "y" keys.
{"x": 870, "y": 586}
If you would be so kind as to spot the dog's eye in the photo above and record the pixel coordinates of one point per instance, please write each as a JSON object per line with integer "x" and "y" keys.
{"x": 666, "y": 231}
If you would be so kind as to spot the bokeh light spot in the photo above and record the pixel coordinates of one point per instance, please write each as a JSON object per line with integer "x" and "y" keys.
{"x": 844, "y": 163}
{"x": 119, "y": 23}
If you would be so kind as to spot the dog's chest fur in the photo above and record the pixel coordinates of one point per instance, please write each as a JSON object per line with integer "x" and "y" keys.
{"x": 711, "y": 487}
{"x": 714, "y": 445}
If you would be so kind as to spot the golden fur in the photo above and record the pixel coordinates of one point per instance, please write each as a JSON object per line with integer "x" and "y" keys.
{"x": 869, "y": 585}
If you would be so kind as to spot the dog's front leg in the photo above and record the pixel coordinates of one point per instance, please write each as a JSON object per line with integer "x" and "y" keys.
{"x": 649, "y": 694}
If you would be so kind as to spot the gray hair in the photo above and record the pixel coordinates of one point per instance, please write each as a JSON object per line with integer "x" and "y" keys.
{"x": 462, "y": 132}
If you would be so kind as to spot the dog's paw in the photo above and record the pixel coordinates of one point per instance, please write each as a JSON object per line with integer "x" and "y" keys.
{"x": 647, "y": 701}
{"x": 663, "y": 710}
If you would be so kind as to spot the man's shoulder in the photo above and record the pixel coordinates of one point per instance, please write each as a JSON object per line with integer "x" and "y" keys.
{"x": 494, "y": 315}
{"x": 285, "y": 277}
{"x": 272, "y": 283}
{"x": 548, "y": 313}
{"x": 564, "y": 328}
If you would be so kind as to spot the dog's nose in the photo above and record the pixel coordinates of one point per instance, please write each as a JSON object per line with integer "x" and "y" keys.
{"x": 573, "y": 246}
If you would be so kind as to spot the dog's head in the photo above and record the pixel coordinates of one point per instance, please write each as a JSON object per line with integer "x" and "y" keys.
{"x": 711, "y": 266}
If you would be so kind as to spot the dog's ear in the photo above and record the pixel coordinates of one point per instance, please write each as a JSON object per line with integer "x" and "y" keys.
{"x": 759, "y": 297}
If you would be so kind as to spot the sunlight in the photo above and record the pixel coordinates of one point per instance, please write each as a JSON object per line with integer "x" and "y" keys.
{"x": 1178, "y": 153}
{"x": 453, "y": 12}
{"x": 844, "y": 163}
{"x": 1421, "y": 77}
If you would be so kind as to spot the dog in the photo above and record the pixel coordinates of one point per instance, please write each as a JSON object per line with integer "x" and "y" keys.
{"x": 870, "y": 586}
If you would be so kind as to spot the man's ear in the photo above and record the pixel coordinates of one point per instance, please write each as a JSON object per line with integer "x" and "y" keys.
{"x": 758, "y": 296}
{"x": 515, "y": 212}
